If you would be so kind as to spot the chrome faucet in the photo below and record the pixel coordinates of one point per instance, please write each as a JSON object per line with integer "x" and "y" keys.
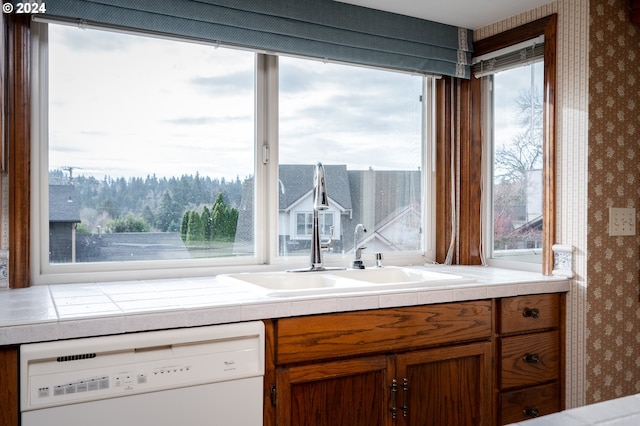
{"x": 320, "y": 202}
{"x": 357, "y": 248}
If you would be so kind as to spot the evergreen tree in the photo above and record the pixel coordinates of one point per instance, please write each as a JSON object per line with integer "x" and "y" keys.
{"x": 232, "y": 224}
{"x": 218, "y": 218}
{"x": 184, "y": 226}
{"x": 148, "y": 215}
{"x": 207, "y": 222}
{"x": 195, "y": 231}
{"x": 168, "y": 217}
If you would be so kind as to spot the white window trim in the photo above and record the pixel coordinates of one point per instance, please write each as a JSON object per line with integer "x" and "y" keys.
{"x": 266, "y": 193}
{"x": 487, "y": 190}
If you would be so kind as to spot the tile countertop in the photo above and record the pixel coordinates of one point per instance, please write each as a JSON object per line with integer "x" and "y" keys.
{"x": 66, "y": 311}
{"x": 623, "y": 411}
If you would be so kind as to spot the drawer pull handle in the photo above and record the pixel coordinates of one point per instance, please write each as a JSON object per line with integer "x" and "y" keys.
{"x": 531, "y": 358}
{"x": 531, "y": 313}
{"x": 531, "y": 412}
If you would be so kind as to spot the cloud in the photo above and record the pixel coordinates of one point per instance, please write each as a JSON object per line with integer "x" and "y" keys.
{"x": 92, "y": 40}
{"x": 225, "y": 84}
{"x": 192, "y": 121}
{"x": 171, "y": 108}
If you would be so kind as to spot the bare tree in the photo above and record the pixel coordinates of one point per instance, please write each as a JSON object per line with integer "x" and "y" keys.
{"x": 524, "y": 153}
{"x": 513, "y": 162}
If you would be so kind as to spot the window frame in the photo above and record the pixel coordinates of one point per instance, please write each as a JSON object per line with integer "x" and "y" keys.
{"x": 266, "y": 257}
{"x": 545, "y": 26}
{"x": 508, "y": 257}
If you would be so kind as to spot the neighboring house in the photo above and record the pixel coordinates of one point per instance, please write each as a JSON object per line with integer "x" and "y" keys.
{"x": 400, "y": 226}
{"x": 295, "y": 219}
{"x": 387, "y": 203}
{"x": 64, "y": 214}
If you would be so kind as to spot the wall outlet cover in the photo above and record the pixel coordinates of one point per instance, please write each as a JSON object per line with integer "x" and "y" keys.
{"x": 622, "y": 221}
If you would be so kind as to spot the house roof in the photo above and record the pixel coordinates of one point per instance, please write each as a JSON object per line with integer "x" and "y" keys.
{"x": 63, "y": 204}
{"x": 296, "y": 182}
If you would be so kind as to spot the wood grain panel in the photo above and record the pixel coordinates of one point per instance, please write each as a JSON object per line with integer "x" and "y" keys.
{"x": 512, "y": 315}
{"x": 351, "y": 392}
{"x": 19, "y": 128}
{"x": 447, "y": 386}
{"x": 354, "y": 333}
{"x": 515, "y": 371}
{"x": 520, "y": 405}
{"x": 9, "y": 408}
{"x": 444, "y": 174}
{"x": 470, "y": 234}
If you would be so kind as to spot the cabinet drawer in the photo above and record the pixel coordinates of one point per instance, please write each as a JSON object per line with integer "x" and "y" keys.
{"x": 529, "y": 359}
{"x": 526, "y": 313}
{"x": 330, "y": 336}
{"x": 528, "y": 403}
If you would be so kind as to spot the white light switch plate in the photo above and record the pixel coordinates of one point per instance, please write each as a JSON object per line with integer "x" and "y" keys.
{"x": 622, "y": 221}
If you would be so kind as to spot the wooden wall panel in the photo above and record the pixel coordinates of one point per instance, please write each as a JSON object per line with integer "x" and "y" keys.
{"x": 19, "y": 126}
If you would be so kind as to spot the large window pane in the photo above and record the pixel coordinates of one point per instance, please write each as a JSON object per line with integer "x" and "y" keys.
{"x": 517, "y": 163}
{"x": 365, "y": 126}
{"x": 151, "y": 148}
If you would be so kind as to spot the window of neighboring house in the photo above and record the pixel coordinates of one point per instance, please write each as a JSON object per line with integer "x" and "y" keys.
{"x": 304, "y": 224}
{"x": 515, "y": 174}
{"x": 149, "y": 158}
{"x": 366, "y": 127}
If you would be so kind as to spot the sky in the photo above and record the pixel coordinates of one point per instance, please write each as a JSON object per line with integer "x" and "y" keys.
{"x": 508, "y": 86}
{"x": 122, "y": 105}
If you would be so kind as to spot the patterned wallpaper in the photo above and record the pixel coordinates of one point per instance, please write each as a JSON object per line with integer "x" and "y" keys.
{"x": 613, "y": 310}
{"x": 598, "y": 132}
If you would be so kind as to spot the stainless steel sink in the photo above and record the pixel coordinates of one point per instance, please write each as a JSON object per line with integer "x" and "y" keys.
{"x": 348, "y": 280}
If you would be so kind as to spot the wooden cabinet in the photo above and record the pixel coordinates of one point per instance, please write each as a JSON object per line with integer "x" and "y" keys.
{"x": 9, "y": 391}
{"x": 398, "y": 366}
{"x": 346, "y": 392}
{"x": 530, "y": 357}
{"x": 445, "y": 386}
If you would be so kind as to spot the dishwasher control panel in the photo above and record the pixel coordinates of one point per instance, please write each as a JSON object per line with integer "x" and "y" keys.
{"x": 114, "y": 381}
{"x": 111, "y": 372}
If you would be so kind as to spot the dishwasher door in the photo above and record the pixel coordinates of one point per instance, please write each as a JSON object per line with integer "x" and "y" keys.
{"x": 212, "y": 404}
{"x": 188, "y": 377}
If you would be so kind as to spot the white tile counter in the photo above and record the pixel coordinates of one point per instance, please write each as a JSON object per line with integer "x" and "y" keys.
{"x": 64, "y": 311}
{"x": 617, "y": 412}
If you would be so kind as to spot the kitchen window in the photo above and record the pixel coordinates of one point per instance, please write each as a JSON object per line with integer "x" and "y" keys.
{"x": 158, "y": 157}
{"x": 519, "y": 159}
{"x": 365, "y": 125}
{"x": 516, "y": 163}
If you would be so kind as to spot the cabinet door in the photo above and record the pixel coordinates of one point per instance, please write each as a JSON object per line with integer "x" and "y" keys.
{"x": 445, "y": 386}
{"x": 9, "y": 408}
{"x": 353, "y": 392}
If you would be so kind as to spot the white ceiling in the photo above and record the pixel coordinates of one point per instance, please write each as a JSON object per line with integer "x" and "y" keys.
{"x": 471, "y": 14}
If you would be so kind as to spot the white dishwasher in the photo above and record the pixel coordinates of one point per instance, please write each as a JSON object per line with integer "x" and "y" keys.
{"x": 209, "y": 375}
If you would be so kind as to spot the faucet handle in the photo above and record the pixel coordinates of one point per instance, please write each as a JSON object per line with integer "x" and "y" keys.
{"x": 378, "y": 257}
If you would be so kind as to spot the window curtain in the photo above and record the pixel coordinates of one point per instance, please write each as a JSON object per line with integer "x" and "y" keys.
{"x": 324, "y": 29}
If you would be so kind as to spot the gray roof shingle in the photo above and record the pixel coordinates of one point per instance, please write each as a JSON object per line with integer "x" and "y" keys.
{"x": 63, "y": 204}
{"x": 297, "y": 181}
